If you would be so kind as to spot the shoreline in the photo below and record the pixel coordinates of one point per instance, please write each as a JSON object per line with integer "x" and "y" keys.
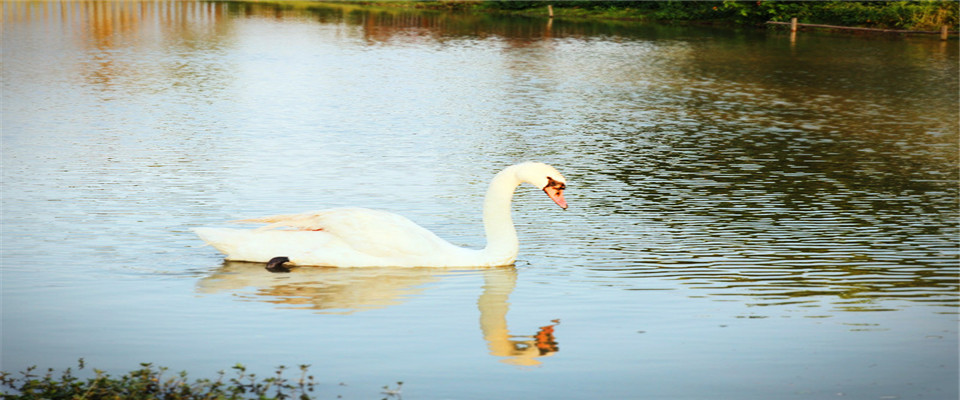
{"x": 899, "y": 18}
{"x": 890, "y": 18}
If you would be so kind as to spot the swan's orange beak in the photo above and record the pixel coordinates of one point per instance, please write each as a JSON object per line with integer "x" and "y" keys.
{"x": 554, "y": 189}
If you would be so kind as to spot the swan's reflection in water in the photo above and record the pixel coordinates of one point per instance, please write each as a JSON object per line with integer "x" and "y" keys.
{"x": 348, "y": 290}
{"x": 493, "y": 304}
{"x": 325, "y": 290}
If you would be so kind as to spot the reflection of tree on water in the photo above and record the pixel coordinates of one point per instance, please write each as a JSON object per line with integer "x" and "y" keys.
{"x": 347, "y": 290}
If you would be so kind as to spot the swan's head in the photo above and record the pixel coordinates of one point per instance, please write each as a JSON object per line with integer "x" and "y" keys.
{"x": 546, "y": 178}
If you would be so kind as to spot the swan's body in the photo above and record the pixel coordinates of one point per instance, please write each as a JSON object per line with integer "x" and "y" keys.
{"x": 359, "y": 237}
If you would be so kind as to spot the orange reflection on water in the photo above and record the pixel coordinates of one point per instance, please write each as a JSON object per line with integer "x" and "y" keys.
{"x": 106, "y": 21}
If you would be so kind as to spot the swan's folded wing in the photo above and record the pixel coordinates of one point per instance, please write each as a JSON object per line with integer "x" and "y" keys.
{"x": 309, "y": 221}
{"x": 373, "y": 232}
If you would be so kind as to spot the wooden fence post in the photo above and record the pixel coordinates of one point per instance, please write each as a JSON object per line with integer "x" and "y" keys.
{"x": 944, "y": 32}
{"x": 550, "y": 10}
{"x": 793, "y": 24}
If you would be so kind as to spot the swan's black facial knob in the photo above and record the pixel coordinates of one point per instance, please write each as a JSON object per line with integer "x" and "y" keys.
{"x": 276, "y": 264}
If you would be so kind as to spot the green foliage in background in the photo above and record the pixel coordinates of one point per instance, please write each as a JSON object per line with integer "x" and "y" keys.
{"x": 913, "y": 15}
{"x": 910, "y": 15}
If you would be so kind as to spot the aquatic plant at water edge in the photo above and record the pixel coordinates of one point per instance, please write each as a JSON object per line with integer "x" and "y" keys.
{"x": 150, "y": 382}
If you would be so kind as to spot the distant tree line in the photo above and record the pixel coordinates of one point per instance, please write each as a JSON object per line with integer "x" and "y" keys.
{"x": 916, "y": 15}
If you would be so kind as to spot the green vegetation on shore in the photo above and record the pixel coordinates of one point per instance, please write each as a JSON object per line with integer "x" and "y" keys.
{"x": 905, "y": 15}
{"x": 151, "y": 383}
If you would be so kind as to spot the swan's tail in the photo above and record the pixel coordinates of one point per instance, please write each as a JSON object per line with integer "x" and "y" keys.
{"x": 223, "y": 239}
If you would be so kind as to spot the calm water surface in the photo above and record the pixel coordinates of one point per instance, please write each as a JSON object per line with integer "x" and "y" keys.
{"x": 753, "y": 216}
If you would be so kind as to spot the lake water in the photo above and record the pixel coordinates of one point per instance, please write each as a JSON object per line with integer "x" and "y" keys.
{"x": 752, "y": 216}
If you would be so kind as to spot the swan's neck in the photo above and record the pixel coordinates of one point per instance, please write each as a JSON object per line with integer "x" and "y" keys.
{"x": 502, "y": 242}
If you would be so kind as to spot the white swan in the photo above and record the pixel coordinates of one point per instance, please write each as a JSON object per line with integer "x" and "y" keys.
{"x": 359, "y": 237}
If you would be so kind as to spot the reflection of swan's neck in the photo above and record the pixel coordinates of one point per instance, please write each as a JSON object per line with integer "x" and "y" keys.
{"x": 493, "y": 305}
{"x": 502, "y": 242}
